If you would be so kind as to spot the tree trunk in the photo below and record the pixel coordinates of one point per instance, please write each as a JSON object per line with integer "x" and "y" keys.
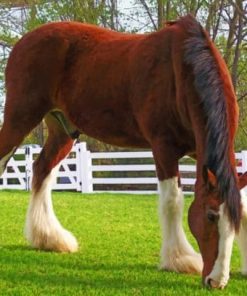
{"x": 160, "y": 13}
{"x": 239, "y": 37}
{"x": 168, "y": 10}
{"x": 113, "y": 15}
{"x": 144, "y": 3}
{"x": 230, "y": 39}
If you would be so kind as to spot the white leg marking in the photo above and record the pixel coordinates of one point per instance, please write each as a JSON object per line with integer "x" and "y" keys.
{"x": 242, "y": 235}
{"x": 43, "y": 229}
{"x": 219, "y": 275}
{"x": 176, "y": 253}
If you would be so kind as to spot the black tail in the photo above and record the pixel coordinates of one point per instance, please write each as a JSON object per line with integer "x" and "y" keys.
{"x": 210, "y": 89}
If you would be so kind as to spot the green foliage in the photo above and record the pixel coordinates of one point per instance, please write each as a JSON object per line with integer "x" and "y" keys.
{"x": 241, "y": 140}
{"x": 63, "y": 10}
{"x": 31, "y": 139}
{"x": 7, "y": 38}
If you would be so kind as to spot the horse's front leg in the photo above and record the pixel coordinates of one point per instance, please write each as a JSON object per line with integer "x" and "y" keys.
{"x": 176, "y": 253}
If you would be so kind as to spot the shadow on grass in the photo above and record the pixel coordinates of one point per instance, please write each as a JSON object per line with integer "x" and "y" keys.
{"x": 238, "y": 276}
{"x": 17, "y": 248}
{"x": 22, "y": 266}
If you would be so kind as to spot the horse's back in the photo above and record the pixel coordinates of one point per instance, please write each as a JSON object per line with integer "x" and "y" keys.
{"x": 45, "y": 56}
{"x": 79, "y": 69}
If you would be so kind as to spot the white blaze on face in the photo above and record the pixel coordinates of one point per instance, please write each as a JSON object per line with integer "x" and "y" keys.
{"x": 219, "y": 275}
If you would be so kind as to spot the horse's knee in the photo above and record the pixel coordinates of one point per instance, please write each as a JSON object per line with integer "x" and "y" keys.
{"x": 182, "y": 263}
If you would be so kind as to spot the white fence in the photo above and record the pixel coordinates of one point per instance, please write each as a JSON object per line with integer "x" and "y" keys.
{"x": 84, "y": 171}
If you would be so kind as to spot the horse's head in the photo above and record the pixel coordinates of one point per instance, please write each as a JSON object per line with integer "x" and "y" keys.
{"x": 210, "y": 224}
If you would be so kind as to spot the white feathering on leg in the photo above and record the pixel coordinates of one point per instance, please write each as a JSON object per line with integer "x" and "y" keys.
{"x": 43, "y": 229}
{"x": 176, "y": 253}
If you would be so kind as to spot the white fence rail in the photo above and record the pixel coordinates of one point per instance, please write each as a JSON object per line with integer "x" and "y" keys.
{"x": 84, "y": 171}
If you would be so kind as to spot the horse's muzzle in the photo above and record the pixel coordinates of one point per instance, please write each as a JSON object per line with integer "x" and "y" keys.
{"x": 213, "y": 284}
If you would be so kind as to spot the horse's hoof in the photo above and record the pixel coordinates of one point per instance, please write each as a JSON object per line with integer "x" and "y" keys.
{"x": 191, "y": 264}
{"x": 210, "y": 283}
{"x": 58, "y": 241}
{"x": 66, "y": 243}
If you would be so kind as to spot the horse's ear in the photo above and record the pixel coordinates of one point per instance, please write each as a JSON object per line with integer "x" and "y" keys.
{"x": 209, "y": 179}
{"x": 242, "y": 180}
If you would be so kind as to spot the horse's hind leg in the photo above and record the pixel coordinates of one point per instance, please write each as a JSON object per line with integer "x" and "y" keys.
{"x": 43, "y": 229}
{"x": 18, "y": 123}
{"x": 6, "y": 151}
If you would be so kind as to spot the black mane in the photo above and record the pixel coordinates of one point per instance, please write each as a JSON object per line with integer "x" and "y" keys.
{"x": 210, "y": 89}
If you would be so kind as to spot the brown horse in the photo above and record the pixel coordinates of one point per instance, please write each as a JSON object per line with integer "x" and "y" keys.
{"x": 169, "y": 91}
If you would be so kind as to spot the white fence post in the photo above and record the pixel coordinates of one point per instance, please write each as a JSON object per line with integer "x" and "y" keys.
{"x": 84, "y": 169}
{"x": 29, "y": 166}
{"x": 244, "y": 161}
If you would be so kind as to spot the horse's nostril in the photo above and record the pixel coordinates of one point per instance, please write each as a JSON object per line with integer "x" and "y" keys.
{"x": 208, "y": 282}
{"x": 213, "y": 284}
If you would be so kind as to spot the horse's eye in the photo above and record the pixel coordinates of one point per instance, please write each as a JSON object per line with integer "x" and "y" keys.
{"x": 212, "y": 216}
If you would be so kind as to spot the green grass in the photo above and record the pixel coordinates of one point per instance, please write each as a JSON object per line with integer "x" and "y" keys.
{"x": 119, "y": 241}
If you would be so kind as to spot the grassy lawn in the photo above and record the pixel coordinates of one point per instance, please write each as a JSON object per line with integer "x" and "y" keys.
{"x": 119, "y": 241}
